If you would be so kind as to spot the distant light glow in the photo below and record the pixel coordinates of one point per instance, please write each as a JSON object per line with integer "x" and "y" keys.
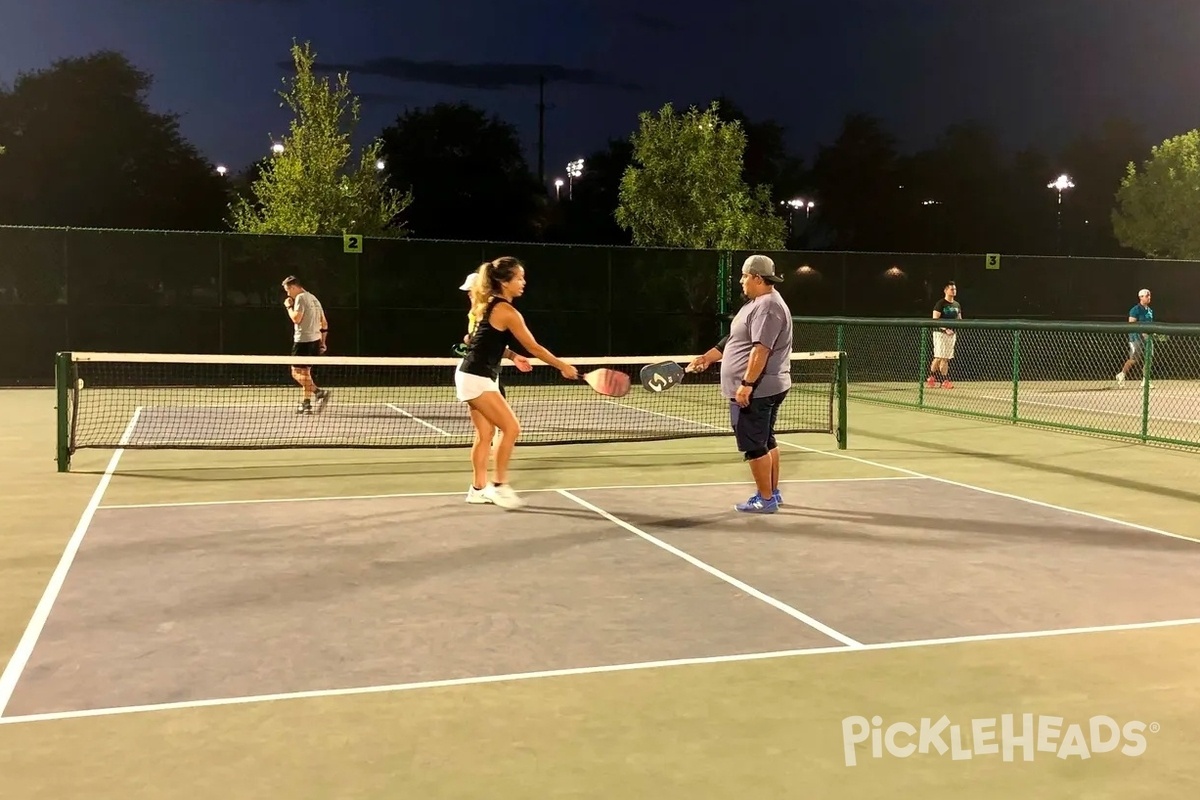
{"x": 1061, "y": 182}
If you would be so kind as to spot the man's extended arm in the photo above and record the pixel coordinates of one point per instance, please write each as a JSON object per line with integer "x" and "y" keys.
{"x": 702, "y": 362}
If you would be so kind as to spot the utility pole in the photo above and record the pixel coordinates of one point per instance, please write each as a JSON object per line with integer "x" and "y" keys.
{"x": 542, "y": 130}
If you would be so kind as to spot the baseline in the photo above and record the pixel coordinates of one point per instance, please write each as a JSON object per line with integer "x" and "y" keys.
{"x": 597, "y": 670}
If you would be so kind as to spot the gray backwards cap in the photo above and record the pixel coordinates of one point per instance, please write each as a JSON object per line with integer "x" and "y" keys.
{"x": 762, "y": 267}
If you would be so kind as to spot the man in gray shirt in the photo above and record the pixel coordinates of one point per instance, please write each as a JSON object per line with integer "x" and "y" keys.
{"x": 756, "y": 375}
{"x": 308, "y": 339}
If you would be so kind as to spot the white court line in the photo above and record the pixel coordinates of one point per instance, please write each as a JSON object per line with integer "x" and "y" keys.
{"x": 20, "y": 657}
{"x": 913, "y": 473}
{"x": 711, "y": 570}
{"x": 401, "y": 495}
{"x": 597, "y": 670}
{"x": 1131, "y": 414}
{"x": 395, "y": 407}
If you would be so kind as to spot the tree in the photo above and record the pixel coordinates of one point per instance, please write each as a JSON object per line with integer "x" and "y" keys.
{"x": 307, "y": 188}
{"x": 767, "y": 160}
{"x": 585, "y": 216}
{"x": 1158, "y": 208}
{"x": 1097, "y": 163}
{"x": 859, "y": 179}
{"x": 84, "y": 149}
{"x": 467, "y": 170}
{"x": 685, "y": 187}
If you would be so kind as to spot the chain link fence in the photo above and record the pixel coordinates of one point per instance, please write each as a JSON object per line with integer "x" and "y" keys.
{"x": 1138, "y": 382}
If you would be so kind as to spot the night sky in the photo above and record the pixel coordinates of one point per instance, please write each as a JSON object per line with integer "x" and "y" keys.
{"x": 1038, "y": 71}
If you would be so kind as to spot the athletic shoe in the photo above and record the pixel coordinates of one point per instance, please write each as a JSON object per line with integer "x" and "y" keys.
{"x": 305, "y": 407}
{"x": 477, "y": 496}
{"x": 777, "y": 497}
{"x": 756, "y": 505}
{"x": 947, "y": 385}
{"x": 930, "y": 383}
{"x": 1120, "y": 377}
{"x": 322, "y": 397}
{"x": 503, "y": 496}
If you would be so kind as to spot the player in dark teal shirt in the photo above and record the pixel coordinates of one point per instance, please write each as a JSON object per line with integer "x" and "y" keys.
{"x": 944, "y": 338}
{"x": 1141, "y": 313}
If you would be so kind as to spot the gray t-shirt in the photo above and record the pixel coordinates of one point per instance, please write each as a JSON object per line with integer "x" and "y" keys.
{"x": 308, "y": 329}
{"x": 764, "y": 320}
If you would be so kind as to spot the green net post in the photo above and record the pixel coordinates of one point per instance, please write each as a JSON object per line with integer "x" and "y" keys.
{"x": 62, "y": 389}
{"x": 723, "y": 292}
{"x": 923, "y": 366}
{"x": 1016, "y": 371}
{"x": 1147, "y": 371}
{"x": 843, "y": 380}
{"x": 841, "y": 338}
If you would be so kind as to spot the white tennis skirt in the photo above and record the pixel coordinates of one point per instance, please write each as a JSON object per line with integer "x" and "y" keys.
{"x": 468, "y": 386}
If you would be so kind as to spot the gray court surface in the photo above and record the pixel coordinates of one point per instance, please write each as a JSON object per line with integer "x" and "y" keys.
{"x": 185, "y": 603}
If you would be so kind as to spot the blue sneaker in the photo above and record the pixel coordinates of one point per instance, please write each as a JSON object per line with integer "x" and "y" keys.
{"x": 777, "y": 497}
{"x": 756, "y": 505}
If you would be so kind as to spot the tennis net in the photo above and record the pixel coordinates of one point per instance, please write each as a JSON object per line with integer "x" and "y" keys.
{"x": 157, "y": 401}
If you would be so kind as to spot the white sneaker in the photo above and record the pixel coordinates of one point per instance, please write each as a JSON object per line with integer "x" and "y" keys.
{"x": 1120, "y": 377}
{"x": 477, "y": 496}
{"x": 503, "y": 496}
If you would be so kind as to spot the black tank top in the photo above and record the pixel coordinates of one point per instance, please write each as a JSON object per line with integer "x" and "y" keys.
{"x": 486, "y": 348}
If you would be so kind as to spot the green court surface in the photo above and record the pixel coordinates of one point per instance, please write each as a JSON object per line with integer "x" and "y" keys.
{"x": 320, "y": 624}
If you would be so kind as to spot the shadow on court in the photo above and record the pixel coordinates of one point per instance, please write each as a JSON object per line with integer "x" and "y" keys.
{"x": 185, "y": 603}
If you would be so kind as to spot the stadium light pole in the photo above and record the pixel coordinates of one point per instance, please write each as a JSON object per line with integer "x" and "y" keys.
{"x": 1061, "y": 184}
{"x": 221, "y": 170}
{"x": 277, "y": 148}
{"x": 574, "y": 170}
{"x": 558, "y": 182}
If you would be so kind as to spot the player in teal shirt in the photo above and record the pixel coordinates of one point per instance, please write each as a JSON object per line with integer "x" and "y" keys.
{"x": 1141, "y": 313}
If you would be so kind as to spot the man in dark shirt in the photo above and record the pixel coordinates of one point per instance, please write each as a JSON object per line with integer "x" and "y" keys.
{"x": 1140, "y": 313}
{"x": 944, "y": 338}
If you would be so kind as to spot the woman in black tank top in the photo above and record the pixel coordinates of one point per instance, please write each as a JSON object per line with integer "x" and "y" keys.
{"x": 500, "y": 332}
{"x": 488, "y": 346}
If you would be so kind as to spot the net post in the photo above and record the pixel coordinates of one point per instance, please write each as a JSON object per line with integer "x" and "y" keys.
{"x": 1147, "y": 370}
{"x": 922, "y": 366}
{"x": 1016, "y": 370}
{"x": 723, "y": 292}
{"x": 62, "y": 380}
{"x": 843, "y": 380}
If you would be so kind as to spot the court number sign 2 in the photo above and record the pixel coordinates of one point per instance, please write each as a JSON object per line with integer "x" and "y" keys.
{"x": 352, "y": 243}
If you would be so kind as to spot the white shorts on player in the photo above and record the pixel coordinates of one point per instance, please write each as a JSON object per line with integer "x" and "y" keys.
{"x": 468, "y": 386}
{"x": 943, "y": 345}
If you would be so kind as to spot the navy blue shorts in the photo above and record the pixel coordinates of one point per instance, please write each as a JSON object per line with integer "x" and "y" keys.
{"x": 754, "y": 425}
